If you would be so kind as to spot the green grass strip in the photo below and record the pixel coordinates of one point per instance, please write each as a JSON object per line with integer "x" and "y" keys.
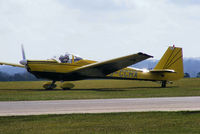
{"x": 98, "y": 89}
{"x": 110, "y": 123}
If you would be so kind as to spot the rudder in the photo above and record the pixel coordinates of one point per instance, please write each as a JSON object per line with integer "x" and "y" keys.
{"x": 172, "y": 59}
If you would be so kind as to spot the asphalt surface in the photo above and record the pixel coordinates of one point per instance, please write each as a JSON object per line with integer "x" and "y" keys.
{"x": 10, "y": 108}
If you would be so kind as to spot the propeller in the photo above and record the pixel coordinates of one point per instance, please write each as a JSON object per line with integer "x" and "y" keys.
{"x": 23, "y": 61}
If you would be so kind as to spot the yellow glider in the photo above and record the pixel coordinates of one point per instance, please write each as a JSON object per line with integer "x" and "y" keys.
{"x": 71, "y": 68}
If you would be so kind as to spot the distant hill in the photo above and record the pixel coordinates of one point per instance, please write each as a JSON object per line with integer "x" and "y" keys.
{"x": 12, "y": 70}
{"x": 191, "y": 66}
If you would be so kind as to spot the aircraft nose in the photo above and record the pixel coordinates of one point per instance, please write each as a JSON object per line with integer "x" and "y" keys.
{"x": 23, "y": 62}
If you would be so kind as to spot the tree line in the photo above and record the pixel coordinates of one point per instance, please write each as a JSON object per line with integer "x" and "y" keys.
{"x": 187, "y": 75}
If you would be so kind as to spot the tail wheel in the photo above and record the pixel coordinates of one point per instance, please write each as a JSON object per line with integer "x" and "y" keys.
{"x": 163, "y": 85}
{"x": 67, "y": 86}
{"x": 49, "y": 85}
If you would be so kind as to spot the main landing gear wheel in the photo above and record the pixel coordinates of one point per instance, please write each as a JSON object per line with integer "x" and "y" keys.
{"x": 67, "y": 86}
{"x": 50, "y": 85}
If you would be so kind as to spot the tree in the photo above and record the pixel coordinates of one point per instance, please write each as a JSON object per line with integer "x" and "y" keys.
{"x": 4, "y": 76}
{"x": 198, "y": 75}
{"x": 186, "y": 75}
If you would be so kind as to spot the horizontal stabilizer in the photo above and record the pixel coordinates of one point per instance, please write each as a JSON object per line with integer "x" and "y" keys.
{"x": 162, "y": 71}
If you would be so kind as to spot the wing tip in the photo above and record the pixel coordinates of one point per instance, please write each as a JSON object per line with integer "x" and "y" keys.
{"x": 140, "y": 53}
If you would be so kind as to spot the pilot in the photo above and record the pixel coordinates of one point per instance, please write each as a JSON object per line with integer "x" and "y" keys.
{"x": 61, "y": 58}
{"x": 64, "y": 59}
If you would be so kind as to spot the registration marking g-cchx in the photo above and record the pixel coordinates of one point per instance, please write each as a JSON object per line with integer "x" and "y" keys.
{"x": 124, "y": 74}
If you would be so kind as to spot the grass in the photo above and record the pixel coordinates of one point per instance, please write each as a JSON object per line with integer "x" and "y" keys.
{"x": 111, "y": 123}
{"x": 98, "y": 89}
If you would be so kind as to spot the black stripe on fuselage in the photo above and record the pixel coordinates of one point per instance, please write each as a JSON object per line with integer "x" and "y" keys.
{"x": 76, "y": 76}
{"x": 58, "y": 76}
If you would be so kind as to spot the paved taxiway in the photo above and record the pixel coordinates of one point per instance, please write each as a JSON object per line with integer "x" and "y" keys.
{"x": 99, "y": 106}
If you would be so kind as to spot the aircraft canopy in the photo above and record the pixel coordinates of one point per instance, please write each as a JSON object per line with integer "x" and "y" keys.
{"x": 67, "y": 58}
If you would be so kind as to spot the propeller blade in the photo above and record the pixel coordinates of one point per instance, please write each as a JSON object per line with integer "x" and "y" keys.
{"x": 23, "y": 61}
{"x": 23, "y": 53}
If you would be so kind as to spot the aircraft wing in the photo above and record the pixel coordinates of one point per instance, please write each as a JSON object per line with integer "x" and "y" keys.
{"x": 100, "y": 69}
{"x": 10, "y": 64}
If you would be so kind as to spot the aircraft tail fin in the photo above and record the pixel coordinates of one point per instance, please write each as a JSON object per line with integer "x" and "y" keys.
{"x": 172, "y": 60}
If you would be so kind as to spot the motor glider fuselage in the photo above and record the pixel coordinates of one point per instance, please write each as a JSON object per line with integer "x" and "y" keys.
{"x": 52, "y": 70}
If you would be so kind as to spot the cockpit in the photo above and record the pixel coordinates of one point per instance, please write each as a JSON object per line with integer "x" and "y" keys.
{"x": 67, "y": 58}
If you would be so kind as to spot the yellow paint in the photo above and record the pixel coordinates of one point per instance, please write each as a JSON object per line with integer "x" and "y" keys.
{"x": 172, "y": 59}
{"x": 54, "y": 66}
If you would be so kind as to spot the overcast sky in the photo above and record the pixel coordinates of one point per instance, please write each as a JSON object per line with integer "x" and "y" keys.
{"x": 97, "y": 29}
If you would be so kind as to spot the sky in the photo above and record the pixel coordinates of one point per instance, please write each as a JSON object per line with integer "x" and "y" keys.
{"x": 97, "y": 29}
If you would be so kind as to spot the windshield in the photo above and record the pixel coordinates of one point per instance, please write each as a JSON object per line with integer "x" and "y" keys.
{"x": 67, "y": 58}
